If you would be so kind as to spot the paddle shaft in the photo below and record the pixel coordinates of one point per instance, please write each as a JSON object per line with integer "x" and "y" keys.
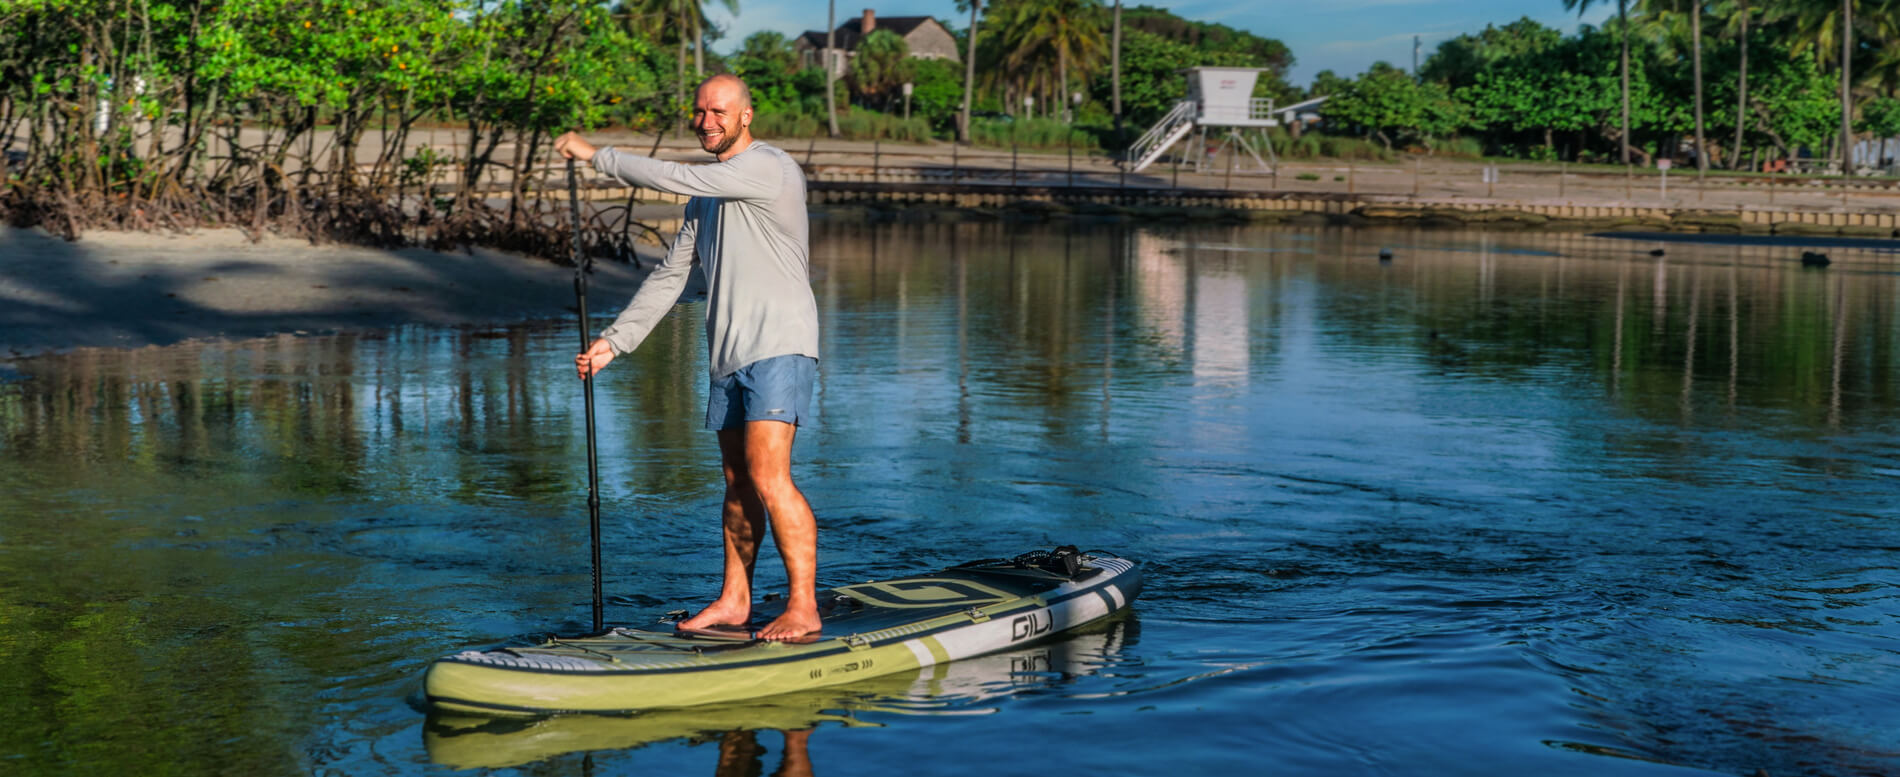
{"x": 587, "y": 387}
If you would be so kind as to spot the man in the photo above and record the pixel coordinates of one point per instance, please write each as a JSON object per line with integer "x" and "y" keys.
{"x": 747, "y": 225}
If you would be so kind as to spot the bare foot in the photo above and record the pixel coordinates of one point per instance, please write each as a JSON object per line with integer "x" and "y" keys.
{"x": 796, "y": 624}
{"x": 719, "y": 613}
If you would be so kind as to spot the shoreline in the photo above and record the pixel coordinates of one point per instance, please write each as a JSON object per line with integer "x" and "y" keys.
{"x": 135, "y": 290}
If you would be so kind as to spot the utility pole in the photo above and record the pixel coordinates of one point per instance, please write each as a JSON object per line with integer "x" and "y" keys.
{"x": 831, "y": 73}
{"x": 1415, "y": 47}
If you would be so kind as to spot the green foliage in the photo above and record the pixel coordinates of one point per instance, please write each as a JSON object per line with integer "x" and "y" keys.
{"x": 544, "y": 65}
{"x": 937, "y": 92}
{"x": 1326, "y": 82}
{"x": 1566, "y": 85}
{"x": 1388, "y": 104}
{"x": 770, "y": 68}
{"x": 1212, "y": 37}
{"x": 1880, "y": 117}
{"x": 1253, "y": 50}
{"x": 1459, "y": 62}
{"x": 175, "y": 78}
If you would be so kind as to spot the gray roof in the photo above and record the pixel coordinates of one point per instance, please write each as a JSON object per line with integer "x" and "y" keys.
{"x": 852, "y": 31}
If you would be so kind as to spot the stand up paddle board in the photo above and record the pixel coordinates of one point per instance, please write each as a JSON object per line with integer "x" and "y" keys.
{"x": 461, "y": 741}
{"x": 870, "y": 629}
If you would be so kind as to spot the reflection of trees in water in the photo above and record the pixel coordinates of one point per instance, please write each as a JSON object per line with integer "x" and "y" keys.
{"x": 1705, "y": 327}
{"x": 139, "y": 642}
{"x": 1015, "y": 312}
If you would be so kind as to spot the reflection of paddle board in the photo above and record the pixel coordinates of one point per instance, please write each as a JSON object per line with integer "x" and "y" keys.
{"x": 466, "y": 742}
{"x": 870, "y": 629}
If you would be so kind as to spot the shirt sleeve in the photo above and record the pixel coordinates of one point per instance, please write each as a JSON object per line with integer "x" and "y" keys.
{"x": 656, "y": 295}
{"x": 746, "y": 176}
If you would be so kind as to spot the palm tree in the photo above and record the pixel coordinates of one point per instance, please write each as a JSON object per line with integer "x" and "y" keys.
{"x": 1666, "y": 12}
{"x": 881, "y": 64}
{"x": 831, "y": 71}
{"x": 969, "y": 70}
{"x": 1701, "y": 141}
{"x": 1882, "y": 27}
{"x": 650, "y": 18}
{"x": 1623, "y": 20}
{"x": 1115, "y": 55}
{"x": 1847, "y": 91}
{"x": 1067, "y": 31}
{"x": 1738, "y": 15}
{"x": 1818, "y": 25}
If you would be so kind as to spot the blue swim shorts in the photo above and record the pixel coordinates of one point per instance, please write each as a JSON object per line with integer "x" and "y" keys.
{"x": 772, "y": 389}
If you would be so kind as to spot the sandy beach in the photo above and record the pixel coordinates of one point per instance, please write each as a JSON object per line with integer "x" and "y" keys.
{"x": 126, "y": 290}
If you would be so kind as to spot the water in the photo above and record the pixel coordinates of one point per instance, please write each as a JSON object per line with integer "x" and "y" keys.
{"x": 1508, "y": 504}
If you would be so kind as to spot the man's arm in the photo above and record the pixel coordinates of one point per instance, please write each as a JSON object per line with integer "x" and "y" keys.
{"x": 743, "y": 177}
{"x": 656, "y": 295}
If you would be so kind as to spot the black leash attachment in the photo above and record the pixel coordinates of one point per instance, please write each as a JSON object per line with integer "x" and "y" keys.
{"x": 1064, "y": 561}
{"x": 581, "y": 262}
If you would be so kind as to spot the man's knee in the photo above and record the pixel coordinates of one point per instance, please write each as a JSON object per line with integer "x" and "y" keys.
{"x": 770, "y": 482}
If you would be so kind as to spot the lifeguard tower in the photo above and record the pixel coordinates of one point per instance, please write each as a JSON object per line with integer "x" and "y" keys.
{"x": 1220, "y": 98}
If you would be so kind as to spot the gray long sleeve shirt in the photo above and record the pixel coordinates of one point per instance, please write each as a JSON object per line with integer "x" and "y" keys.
{"x": 747, "y": 225}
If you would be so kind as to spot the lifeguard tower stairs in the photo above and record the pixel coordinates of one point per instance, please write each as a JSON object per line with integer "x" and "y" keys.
{"x": 1218, "y": 98}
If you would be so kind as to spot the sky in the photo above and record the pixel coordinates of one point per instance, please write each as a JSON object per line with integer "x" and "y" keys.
{"x": 1345, "y": 36}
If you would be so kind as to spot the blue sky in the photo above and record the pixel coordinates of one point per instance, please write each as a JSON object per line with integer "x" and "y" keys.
{"x": 1345, "y": 36}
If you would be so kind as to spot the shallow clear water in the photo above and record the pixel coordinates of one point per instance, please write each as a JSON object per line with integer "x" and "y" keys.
{"x": 1508, "y": 504}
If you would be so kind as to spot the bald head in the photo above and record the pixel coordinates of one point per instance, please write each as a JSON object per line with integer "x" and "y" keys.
{"x": 726, "y": 82}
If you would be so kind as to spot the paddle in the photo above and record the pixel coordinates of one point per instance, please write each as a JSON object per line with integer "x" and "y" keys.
{"x": 587, "y": 385}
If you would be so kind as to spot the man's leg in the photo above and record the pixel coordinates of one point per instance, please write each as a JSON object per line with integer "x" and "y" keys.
{"x": 768, "y": 458}
{"x": 743, "y": 522}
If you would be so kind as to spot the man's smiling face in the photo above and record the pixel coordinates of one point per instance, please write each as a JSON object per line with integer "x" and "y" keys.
{"x": 721, "y": 115}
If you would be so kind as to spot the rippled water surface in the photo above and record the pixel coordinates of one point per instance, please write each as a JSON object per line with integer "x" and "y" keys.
{"x": 1506, "y": 504}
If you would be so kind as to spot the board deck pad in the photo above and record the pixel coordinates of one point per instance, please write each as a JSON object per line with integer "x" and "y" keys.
{"x": 870, "y": 628}
{"x": 884, "y": 604}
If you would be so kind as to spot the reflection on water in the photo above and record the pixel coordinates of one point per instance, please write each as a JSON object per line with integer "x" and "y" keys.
{"x": 1507, "y": 503}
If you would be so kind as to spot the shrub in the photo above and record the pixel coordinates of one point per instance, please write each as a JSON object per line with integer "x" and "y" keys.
{"x": 1030, "y": 133}
{"x": 1460, "y": 147}
{"x": 861, "y": 124}
{"x": 786, "y": 125}
{"x": 1352, "y": 148}
{"x": 856, "y": 124}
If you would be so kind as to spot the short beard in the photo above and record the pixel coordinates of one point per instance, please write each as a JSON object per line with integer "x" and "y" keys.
{"x": 723, "y": 144}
